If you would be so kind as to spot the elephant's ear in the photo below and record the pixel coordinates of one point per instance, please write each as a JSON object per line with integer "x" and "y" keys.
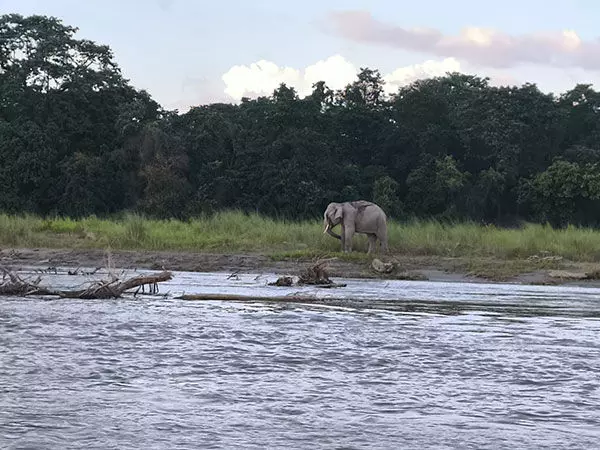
{"x": 338, "y": 213}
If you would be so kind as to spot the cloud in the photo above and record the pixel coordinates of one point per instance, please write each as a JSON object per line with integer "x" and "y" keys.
{"x": 336, "y": 71}
{"x": 263, "y": 77}
{"x": 482, "y": 46}
{"x": 429, "y": 69}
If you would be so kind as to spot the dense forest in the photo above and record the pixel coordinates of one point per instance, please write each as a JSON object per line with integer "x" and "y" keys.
{"x": 77, "y": 139}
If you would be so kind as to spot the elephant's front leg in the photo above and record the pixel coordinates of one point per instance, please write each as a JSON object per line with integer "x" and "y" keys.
{"x": 343, "y": 237}
{"x": 348, "y": 232}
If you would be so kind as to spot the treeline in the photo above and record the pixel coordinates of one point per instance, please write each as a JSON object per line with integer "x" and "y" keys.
{"x": 77, "y": 139}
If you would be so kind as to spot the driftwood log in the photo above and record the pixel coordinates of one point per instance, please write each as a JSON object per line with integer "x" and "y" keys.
{"x": 115, "y": 289}
{"x": 246, "y": 298}
{"x": 12, "y": 284}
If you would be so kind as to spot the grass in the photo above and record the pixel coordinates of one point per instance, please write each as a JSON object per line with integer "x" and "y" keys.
{"x": 234, "y": 231}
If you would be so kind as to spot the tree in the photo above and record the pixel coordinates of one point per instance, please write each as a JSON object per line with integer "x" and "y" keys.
{"x": 434, "y": 187}
{"x": 385, "y": 195}
{"x": 485, "y": 196}
{"x": 581, "y": 106}
{"x": 67, "y": 108}
{"x": 565, "y": 193}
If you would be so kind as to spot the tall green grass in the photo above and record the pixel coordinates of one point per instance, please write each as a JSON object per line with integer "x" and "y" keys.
{"x": 234, "y": 231}
{"x": 470, "y": 239}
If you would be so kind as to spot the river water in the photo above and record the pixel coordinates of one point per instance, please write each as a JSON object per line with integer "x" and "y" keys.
{"x": 377, "y": 364}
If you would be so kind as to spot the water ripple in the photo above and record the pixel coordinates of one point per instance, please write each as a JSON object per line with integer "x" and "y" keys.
{"x": 171, "y": 374}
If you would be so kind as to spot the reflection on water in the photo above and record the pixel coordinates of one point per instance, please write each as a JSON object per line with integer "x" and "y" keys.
{"x": 426, "y": 365}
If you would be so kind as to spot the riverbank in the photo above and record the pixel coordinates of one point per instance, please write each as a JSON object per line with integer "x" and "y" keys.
{"x": 232, "y": 241}
{"x": 540, "y": 270}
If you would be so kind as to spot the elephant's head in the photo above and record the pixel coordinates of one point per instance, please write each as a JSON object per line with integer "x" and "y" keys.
{"x": 333, "y": 216}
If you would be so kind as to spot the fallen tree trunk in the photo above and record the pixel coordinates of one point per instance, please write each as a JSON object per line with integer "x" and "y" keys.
{"x": 115, "y": 289}
{"x": 246, "y": 298}
{"x": 15, "y": 285}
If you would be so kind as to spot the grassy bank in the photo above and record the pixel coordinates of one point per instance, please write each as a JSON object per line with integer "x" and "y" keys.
{"x": 237, "y": 232}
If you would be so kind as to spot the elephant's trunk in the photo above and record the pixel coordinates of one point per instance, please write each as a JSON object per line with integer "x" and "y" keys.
{"x": 329, "y": 231}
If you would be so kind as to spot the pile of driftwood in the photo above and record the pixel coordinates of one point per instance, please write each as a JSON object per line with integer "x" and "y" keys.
{"x": 314, "y": 275}
{"x": 13, "y": 284}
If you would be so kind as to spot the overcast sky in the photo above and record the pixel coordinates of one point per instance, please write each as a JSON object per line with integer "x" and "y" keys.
{"x": 189, "y": 52}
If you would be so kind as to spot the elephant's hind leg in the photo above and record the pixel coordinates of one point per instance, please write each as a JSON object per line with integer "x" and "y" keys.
{"x": 383, "y": 241}
{"x": 384, "y": 245}
{"x": 372, "y": 243}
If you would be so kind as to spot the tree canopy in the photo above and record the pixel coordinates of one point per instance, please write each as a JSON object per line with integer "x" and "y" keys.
{"x": 77, "y": 139}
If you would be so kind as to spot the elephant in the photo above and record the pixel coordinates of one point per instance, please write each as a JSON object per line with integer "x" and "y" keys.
{"x": 358, "y": 216}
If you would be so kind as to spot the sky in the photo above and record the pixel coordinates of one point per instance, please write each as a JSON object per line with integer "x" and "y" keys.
{"x": 191, "y": 52}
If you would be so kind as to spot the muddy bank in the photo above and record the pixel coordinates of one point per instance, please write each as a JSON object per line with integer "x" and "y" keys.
{"x": 168, "y": 260}
{"x": 407, "y": 267}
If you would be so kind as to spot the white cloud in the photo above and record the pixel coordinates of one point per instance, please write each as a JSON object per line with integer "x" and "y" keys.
{"x": 429, "y": 69}
{"x": 336, "y": 71}
{"x": 263, "y": 77}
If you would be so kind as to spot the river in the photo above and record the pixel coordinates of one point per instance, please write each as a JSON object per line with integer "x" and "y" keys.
{"x": 381, "y": 364}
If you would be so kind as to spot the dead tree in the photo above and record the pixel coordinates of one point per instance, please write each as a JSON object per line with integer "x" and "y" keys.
{"x": 115, "y": 289}
{"x": 13, "y": 284}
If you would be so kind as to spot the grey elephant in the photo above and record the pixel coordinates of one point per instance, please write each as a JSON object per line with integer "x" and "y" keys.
{"x": 359, "y": 216}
